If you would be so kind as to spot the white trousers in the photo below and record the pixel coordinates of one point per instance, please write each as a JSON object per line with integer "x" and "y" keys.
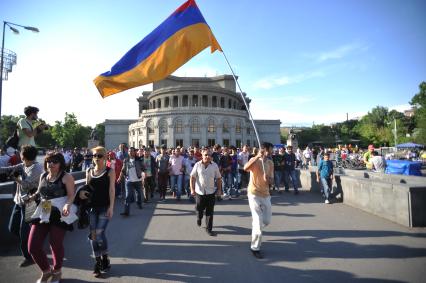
{"x": 261, "y": 214}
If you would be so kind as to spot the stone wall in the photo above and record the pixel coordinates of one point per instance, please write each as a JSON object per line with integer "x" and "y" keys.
{"x": 399, "y": 198}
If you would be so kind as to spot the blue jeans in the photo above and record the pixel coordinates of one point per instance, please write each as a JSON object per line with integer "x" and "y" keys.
{"x": 20, "y": 228}
{"x": 98, "y": 221}
{"x": 278, "y": 175}
{"x": 176, "y": 181}
{"x": 131, "y": 188}
{"x": 227, "y": 183}
{"x": 290, "y": 174}
{"x": 326, "y": 186}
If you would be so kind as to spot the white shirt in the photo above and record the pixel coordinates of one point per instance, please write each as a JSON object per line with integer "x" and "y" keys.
{"x": 205, "y": 177}
{"x": 176, "y": 164}
{"x": 243, "y": 157}
{"x": 132, "y": 177}
{"x": 379, "y": 163}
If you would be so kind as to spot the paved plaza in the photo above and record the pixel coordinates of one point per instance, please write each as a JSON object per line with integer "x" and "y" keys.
{"x": 307, "y": 241}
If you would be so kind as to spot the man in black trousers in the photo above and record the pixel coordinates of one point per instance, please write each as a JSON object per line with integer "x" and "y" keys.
{"x": 203, "y": 177}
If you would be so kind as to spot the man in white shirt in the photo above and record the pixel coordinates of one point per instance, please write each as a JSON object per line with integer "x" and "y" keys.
{"x": 176, "y": 173}
{"x": 203, "y": 177}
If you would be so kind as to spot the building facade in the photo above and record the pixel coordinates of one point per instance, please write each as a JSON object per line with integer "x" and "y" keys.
{"x": 185, "y": 111}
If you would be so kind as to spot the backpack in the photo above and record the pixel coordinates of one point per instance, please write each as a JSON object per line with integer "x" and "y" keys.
{"x": 13, "y": 140}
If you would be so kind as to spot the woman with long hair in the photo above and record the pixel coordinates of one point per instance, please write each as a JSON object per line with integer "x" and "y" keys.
{"x": 54, "y": 216}
{"x": 101, "y": 182}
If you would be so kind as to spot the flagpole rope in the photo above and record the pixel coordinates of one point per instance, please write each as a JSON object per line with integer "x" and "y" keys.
{"x": 245, "y": 103}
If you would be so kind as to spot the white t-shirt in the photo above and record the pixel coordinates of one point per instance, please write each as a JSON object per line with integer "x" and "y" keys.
{"x": 243, "y": 157}
{"x": 176, "y": 164}
{"x": 379, "y": 163}
{"x": 132, "y": 177}
{"x": 23, "y": 123}
{"x": 205, "y": 177}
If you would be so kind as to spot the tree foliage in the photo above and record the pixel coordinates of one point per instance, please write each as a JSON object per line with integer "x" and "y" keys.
{"x": 419, "y": 102}
{"x": 70, "y": 133}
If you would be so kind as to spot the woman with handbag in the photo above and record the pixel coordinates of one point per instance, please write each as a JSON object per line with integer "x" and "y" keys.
{"x": 26, "y": 175}
{"x": 54, "y": 216}
{"x": 101, "y": 181}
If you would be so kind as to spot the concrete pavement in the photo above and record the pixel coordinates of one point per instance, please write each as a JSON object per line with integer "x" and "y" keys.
{"x": 307, "y": 241}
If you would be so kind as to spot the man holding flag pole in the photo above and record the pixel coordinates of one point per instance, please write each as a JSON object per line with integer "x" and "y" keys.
{"x": 184, "y": 34}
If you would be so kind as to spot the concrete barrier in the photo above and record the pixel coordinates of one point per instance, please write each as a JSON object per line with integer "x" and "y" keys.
{"x": 7, "y": 190}
{"x": 399, "y": 198}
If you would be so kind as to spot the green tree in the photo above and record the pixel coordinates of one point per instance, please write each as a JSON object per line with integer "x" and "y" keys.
{"x": 100, "y": 129}
{"x": 419, "y": 102}
{"x": 70, "y": 133}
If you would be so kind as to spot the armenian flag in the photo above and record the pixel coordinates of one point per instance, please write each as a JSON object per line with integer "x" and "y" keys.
{"x": 184, "y": 34}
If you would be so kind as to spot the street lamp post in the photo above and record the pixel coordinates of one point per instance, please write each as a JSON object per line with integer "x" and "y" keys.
{"x": 13, "y": 28}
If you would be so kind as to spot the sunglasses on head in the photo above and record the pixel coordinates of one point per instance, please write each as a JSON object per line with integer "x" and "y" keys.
{"x": 99, "y": 156}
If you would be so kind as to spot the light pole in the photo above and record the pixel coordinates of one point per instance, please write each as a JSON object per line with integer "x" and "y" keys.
{"x": 16, "y": 31}
{"x": 394, "y": 131}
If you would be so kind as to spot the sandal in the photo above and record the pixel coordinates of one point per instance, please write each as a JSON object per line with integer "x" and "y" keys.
{"x": 44, "y": 277}
{"x": 56, "y": 276}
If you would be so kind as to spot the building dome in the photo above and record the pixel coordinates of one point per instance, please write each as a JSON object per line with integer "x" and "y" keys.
{"x": 188, "y": 111}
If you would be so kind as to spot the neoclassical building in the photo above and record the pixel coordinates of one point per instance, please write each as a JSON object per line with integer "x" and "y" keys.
{"x": 184, "y": 111}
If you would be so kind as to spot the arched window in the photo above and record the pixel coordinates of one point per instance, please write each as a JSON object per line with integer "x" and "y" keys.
{"x": 235, "y": 105}
{"x": 167, "y": 102}
{"x": 238, "y": 127}
{"x": 229, "y": 103}
{"x": 222, "y": 102}
{"x": 163, "y": 126}
{"x": 159, "y": 103}
{"x": 175, "y": 101}
{"x": 225, "y": 128}
{"x": 153, "y": 104}
{"x": 211, "y": 128}
{"x": 195, "y": 125}
{"x": 150, "y": 127}
{"x": 178, "y": 126}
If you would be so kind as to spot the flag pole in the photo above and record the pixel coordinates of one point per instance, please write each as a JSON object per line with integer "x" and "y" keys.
{"x": 245, "y": 103}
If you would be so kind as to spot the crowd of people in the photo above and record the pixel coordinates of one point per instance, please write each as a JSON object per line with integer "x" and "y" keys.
{"x": 47, "y": 202}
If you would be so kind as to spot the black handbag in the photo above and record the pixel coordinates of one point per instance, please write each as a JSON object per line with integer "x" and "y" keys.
{"x": 13, "y": 140}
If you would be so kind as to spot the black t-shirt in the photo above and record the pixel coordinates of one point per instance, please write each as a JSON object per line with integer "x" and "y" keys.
{"x": 100, "y": 187}
{"x": 289, "y": 159}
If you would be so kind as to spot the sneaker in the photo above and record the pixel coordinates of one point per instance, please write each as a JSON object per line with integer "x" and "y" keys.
{"x": 257, "y": 254}
{"x": 106, "y": 265}
{"x": 211, "y": 233}
{"x": 199, "y": 222}
{"x": 327, "y": 201}
{"x": 56, "y": 276}
{"x": 98, "y": 266}
{"x": 26, "y": 262}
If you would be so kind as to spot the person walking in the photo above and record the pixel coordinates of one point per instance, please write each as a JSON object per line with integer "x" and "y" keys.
{"x": 101, "y": 181}
{"x": 203, "y": 177}
{"x": 290, "y": 169}
{"x": 132, "y": 172}
{"x": 261, "y": 170}
{"x": 54, "y": 216}
{"x": 162, "y": 161}
{"x": 325, "y": 174}
{"x": 149, "y": 167}
{"x": 176, "y": 173}
{"x": 26, "y": 176}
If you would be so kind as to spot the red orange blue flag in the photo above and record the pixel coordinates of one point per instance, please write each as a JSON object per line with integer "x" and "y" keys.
{"x": 184, "y": 34}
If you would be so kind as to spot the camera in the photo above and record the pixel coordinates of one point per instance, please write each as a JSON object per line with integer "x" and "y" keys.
{"x": 14, "y": 174}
